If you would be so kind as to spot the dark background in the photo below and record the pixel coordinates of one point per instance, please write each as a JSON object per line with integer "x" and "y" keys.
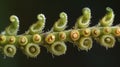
{"x": 27, "y": 11}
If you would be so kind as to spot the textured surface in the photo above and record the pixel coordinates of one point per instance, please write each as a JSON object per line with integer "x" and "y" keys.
{"x": 28, "y": 13}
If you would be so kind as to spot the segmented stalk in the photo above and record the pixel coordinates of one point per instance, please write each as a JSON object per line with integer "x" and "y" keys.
{"x": 81, "y": 35}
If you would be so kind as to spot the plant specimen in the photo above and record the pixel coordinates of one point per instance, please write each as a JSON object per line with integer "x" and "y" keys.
{"x": 81, "y": 35}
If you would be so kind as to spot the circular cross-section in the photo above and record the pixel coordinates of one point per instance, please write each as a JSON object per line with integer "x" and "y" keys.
{"x": 36, "y": 38}
{"x": 62, "y": 35}
{"x": 23, "y": 40}
{"x": 58, "y": 48}
{"x": 75, "y": 35}
{"x": 106, "y": 30}
{"x": 50, "y": 38}
{"x": 2, "y": 39}
{"x": 85, "y": 43}
{"x": 107, "y": 41}
{"x": 11, "y": 40}
{"x": 117, "y": 31}
{"x": 95, "y": 32}
{"x": 86, "y": 32}
{"x": 32, "y": 50}
{"x": 9, "y": 50}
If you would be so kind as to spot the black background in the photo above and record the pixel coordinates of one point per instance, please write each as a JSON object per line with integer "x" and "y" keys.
{"x": 27, "y": 11}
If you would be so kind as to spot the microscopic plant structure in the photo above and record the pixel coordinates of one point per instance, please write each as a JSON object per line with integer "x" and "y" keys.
{"x": 81, "y": 34}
